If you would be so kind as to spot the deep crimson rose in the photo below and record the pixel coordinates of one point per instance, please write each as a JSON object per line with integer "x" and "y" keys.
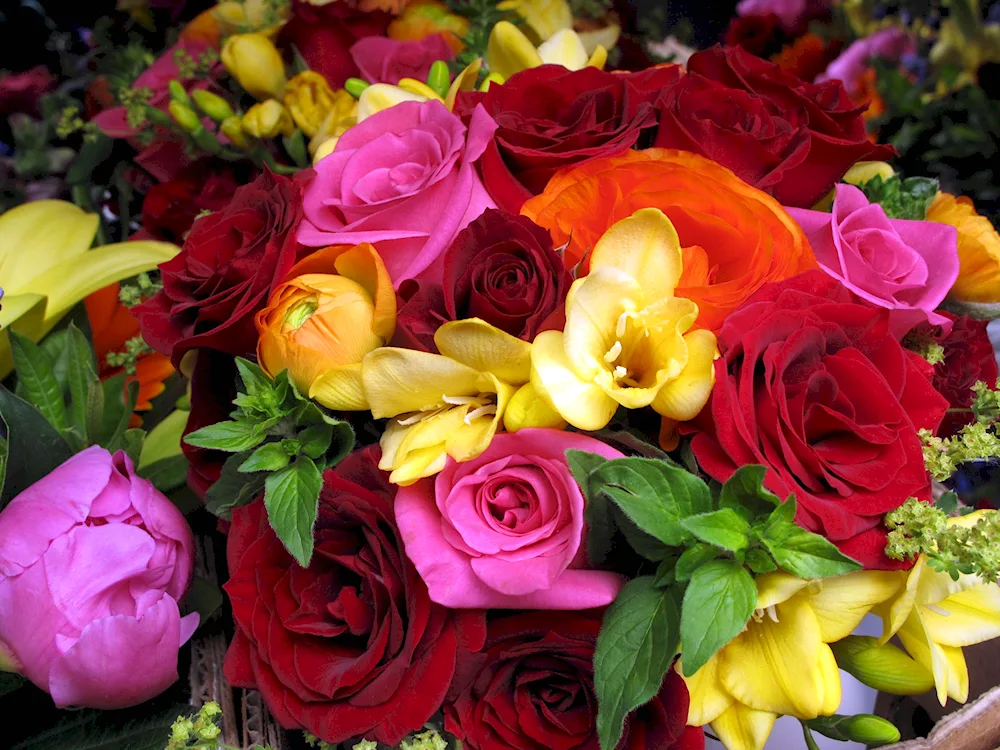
{"x": 352, "y": 645}
{"x": 532, "y": 687}
{"x": 229, "y": 263}
{"x": 968, "y": 357}
{"x": 501, "y": 268}
{"x": 549, "y": 118}
{"x": 213, "y": 388}
{"x": 812, "y": 385}
{"x": 170, "y": 207}
{"x": 759, "y": 35}
{"x": 778, "y": 133}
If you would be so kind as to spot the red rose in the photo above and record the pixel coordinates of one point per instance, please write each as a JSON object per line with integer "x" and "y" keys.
{"x": 532, "y": 687}
{"x": 21, "y": 92}
{"x": 171, "y": 207}
{"x": 759, "y": 35}
{"x": 352, "y": 645}
{"x": 229, "y": 262}
{"x": 795, "y": 143}
{"x": 384, "y": 60}
{"x": 501, "y": 268}
{"x": 549, "y": 118}
{"x": 213, "y": 388}
{"x": 812, "y": 385}
{"x": 968, "y": 358}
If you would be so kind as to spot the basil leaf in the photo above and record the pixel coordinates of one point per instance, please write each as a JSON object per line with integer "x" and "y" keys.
{"x": 36, "y": 381}
{"x": 268, "y": 457}
{"x": 760, "y": 562}
{"x": 291, "y": 496}
{"x": 316, "y": 439}
{"x": 693, "y": 558}
{"x": 717, "y": 604}
{"x": 724, "y": 528}
{"x": 233, "y": 489}
{"x": 597, "y": 512}
{"x": 232, "y": 437}
{"x": 745, "y": 494}
{"x": 808, "y": 555}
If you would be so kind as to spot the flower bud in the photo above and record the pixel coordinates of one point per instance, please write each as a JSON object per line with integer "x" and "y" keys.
{"x": 177, "y": 92}
{"x": 438, "y": 78}
{"x": 355, "y": 87}
{"x": 886, "y": 668}
{"x": 267, "y": 119}
{"x": 212, "y": 105}
{"x": 381, "y": 96}
{"x": 256, "y": 64}
{"x": 185, "y": 117}
{"x": 867, "y": 729}
{"x": 309, "y": 99}
{"x": 232, "y": 128}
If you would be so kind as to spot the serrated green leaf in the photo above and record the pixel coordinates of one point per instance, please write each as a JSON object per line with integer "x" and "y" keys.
{"x": 341, "y": 444}
{"x": 233, "y": 489}
{"x": 232, "y": 437}
{"x": 717, "y": 604}
{"x": 315, "y": 440}
{"x": 648, "y": 546}
{"x": 34, "y": 447}
{"x": 291, "y": 497}
{"x": 597, "y": 511}
{"x": 665, "y": 573}
{"x": 760, "y": 562}
{"x": 808, "y": 555}
{"x": 693, "y": 558}
{"x": 256, "y": 383}
{"x": 638, "y": 640}
{"x": 87, "y": 729}
{"x": 745, "y": 494}
{"x": 724, "y": 528}
{"x": 80, "y": 371}
{"x": 36, "y": 381}
{"x": 268, "y": 457}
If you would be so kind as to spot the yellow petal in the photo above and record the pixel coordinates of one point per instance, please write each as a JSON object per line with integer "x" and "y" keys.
{"x": 606, "y": 37}
{"x": 545, "y": 17}
{"x": 528, "y": 409}
{"x": 419, "y": 88}
{"x": 381, "y": 96}
{"x": 900, "y": 608}
{"x": 777, "y": 587}
{"x": 464, "y": 81}
{"x": 584, "y": 405}
{"x": 774, "y": 666}
{"x": 38, "y": 236}
{"x": 863, "y": 171}
{"x": 485, "y": 348}
{"x": 409, "y": 466}
{"x": 598, "y": 58}
{"x": 594, "y": 306}
{"x": 340, "y": 388}
{"x": 684, "y": 396}
{"x": 364, "y": 265}
{"x": 397, "y": 381}
{"x": 564, "y": 48}
{"x": 472, "y": 439}
{"x": 832, "y": 690}
{"x": 24, "y": 313}
{"x": 968, "y": 617}
{"x": 742, "y": 728}
{"x": 842, "y": 602}
{"x": 509, "y": 51}
{"x": 946, "y": 663}
{"x": 708, "y": 698}
{"x": 164, "y": 440}
{"x": 646, "y": 247}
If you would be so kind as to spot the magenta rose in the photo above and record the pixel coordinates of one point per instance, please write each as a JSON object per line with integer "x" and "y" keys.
{"x": 384, "y": 60}
{"x": 907, "y": 267}
{"x": 505, "y": 530}
{"x": 403, "y": 179}
{"x": 886, "y": 44}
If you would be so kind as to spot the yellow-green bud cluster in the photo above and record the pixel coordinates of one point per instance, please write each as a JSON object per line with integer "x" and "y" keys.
{"x": 429, "y": 740}
{"x": 135, "y": 347}
{"x": 189, "y": 67}
{"x": 138, "y": 289}
{"x": 198, "y": 732}
{"x": 926, "y": 347}
{"x": 136, "y": 101}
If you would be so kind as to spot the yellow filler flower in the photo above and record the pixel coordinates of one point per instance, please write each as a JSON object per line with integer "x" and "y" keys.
{"x": 627, "y": 340}
{"x": 47, "y": 266}
{"x": 935, "y": 617}
{"x": 781, "y": 664}
{"x": 509, "y": 51}
{"x": 448, "y": 404}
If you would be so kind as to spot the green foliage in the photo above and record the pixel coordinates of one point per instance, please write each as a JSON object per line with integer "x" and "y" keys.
{"x": 902, "y": 198}
{"x": 482, "y": 15}
{"x": 717, "y": 604}
{"x": 139, "y": 728}
{"x": 867, "y": 729}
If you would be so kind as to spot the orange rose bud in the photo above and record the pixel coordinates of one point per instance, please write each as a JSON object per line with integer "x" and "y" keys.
{"x": 332, "y": 309}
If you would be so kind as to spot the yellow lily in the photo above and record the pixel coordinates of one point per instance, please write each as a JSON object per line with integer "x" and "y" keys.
{"x": 448, "y": 404}
{"x": 935, "y": 616}
{"x": 627, "y": 340}
{"x": 781, "y": 664}
{"x": 47, "y": 266}
{"x": 509, "y": 51}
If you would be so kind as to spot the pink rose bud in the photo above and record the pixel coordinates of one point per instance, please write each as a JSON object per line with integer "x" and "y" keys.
{"x": 93, "y": 560}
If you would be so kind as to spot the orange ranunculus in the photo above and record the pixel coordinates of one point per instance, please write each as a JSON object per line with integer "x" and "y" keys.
{"x": 332, "y": 309}
{"x": 112, "y": 325}
{"x": 735, "y": 238}
{"x": 978, "y": 249}
{"x": 425, "y": 17}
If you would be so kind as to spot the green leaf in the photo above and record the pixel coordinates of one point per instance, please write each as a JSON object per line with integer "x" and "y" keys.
{"x": 902, "y": 199}
{"x": 232, "y": 437}
{"x": 638, "y": 640}
{"x": 34, "y": 447}
{"x": 10, "y": 681}
{"x": 867, "y": 729}
{"x": 203, "y": 597}
{"x": 582, "y": 464}
{"x": 80, "y": 371}
{"x": 653, "y": 494}
{"x": 341, "y": 443}
{"x": 947, "y": 503}
{"x": 315, "y": 440}
{"x": 808, "y": 555}
{"x": 717, "y": 604}
{"x": 167, "y": 474}
{"x": 132, "y": 443}
{"x": 233, "y": 489}
{"x": 120, "y": 396}
{"x": 781, "y": 518}
{"x": 760, "y": 562}
{"x": 36, "y": 381}
{"x": 4, "y": 455}
{"x": 724, "y": 528}
{"x": 693, "y": 558}
{"x": 139, "y": 728}
{"x": 268, "y": 457}
{"x": 291, "y": 496}
{"x": 256, "y": 383}
{"x": 744, "y": 493}
{"x": 94, "y": 412}
{"x": 597, "y": 512}
{"x": 665, "y": 573}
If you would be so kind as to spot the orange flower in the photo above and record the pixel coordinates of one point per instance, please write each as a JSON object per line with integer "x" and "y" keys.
{"x": 203, "y": 27}
{"x": 112, "y": 326}
{"x": 978, "y": 249}
{"x": 425, "y": 17}
{"x": 806, "y": 57}
{"x": 735, "y": 238}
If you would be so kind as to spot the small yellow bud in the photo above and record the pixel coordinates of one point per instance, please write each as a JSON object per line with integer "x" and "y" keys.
{"x": 886, "y": 668}
{"x": 232, "y": 128}
{"x": 268, "y": 119}
{"x": 438, "y": 78}
{"x": 212, "y": 105}
{"x": 177, "y": 92}
{"x": 355, "y": 86}
{"x": 185, "y": 117}
{"x": 309, "y": 99}
{"x": 256, "y": 64}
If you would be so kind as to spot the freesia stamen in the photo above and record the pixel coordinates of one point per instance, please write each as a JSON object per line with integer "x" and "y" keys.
{"x": 482, "y": 411}
{"x": 613, "y": 353}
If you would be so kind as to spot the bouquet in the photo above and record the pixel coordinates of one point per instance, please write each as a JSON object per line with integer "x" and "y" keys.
{"x": 537, "y": 401}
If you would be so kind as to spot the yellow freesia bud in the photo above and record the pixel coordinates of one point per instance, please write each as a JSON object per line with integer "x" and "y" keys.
{"x": 241, "y": 16}
{"x": 413, "y": 86}
{"x": 309, "y": 98}
{"x": 232, "y": 128}
{"x": 212, "y": 105}
{"x": 334, "y": 307}
{"x": 256, "y": 63}
{"x": 267, "y": 119}
{"x": 886, "y": 668}
{"x": 978, "y": 249}
{"x": 185, "y": 116}
{"x": 340, "y": 117}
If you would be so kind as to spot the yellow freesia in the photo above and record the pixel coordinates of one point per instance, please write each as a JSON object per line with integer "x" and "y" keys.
{"x": 47, "y": 266}
{"x": 935, "y": 617}
{"x": 509, "y": 51}
{"x": 267, "y": 119}
{"x": 440, "y": 405}
{"x": 978, "y": 249}
{"x": 242, "y": 16}
{"x": 627, "y": 340}
{"x": 781, "y": 664}
{"x": 544, "y": 17}
{"x": 256, "y": 63}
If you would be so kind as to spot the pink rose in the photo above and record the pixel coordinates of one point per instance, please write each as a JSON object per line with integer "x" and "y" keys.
{"x": 887, "y": 44}
{"x": 793, "y": 14}
{"x": 403, "y": 179}
{"x": 904, "y": 266}
{"x": 384, "y": 60}
{"x": 93, "y": 560}
{"x": 505, "y": 530}
{"x": 21, "y": 92}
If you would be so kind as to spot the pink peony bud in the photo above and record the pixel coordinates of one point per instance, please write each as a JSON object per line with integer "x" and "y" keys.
{"x": 93, "y": 560}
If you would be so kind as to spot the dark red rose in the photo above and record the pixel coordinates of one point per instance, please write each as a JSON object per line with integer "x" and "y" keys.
{"x": 812, "y": 385}
{"x": 323, "y": 35}
{"x": 968, "y": 358}
{"x": 21, "y": 92}
{"x": 501, "y": 268}
{"x": 532, "y": 687}
{"x": 213, "y": 388}
{"x": 352, "y": 645}
{"x": 759, "y": 35}
{"x": 229, "y": 262}
{"x": 795, "y": 143}
{"x": 171, "y": 207}
{"x": 549, "y": 118}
